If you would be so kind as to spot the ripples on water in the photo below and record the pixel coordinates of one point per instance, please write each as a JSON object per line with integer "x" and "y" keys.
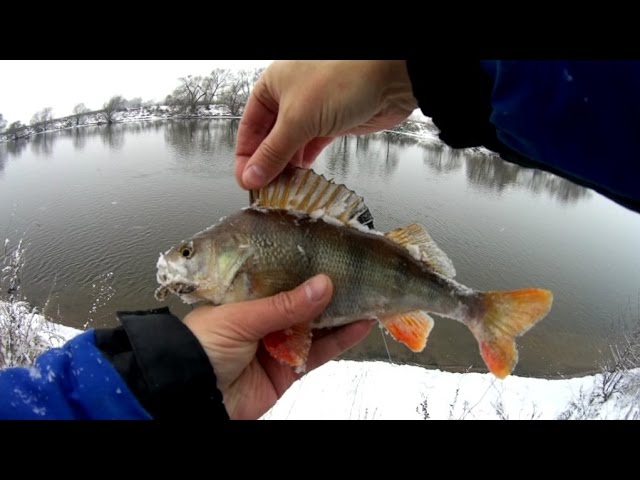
{"x": 96, "y": 205}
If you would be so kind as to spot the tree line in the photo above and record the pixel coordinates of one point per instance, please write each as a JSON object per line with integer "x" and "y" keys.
{"x": 229, "y": 88}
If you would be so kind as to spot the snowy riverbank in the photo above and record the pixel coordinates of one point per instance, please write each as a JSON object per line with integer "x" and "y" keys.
{"x": 154, "y": 112}
{"x": 381, "y": 390}
{"x": 417, "y": 126}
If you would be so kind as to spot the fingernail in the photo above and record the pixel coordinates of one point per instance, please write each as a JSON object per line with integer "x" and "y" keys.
{"x": 316, "y": 288}
{"x": 254, "y": 176}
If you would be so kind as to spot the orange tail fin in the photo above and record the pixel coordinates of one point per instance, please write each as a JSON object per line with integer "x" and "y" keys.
{"x": 508, "y": 315}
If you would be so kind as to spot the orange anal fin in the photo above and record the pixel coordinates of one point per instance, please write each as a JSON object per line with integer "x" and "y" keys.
{"x": 411, "y": 328}
{"x": 290, "y": 346}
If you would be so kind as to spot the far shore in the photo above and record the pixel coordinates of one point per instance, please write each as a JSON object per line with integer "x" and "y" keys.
{"x": 156, "y": 112}
{"x": 416, "y": 126}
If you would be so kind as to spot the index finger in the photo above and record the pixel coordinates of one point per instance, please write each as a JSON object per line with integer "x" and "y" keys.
{"x": 256, "y": 123}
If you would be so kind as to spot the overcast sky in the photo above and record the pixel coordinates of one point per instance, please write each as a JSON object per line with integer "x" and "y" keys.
{"x": 28, "y": 86}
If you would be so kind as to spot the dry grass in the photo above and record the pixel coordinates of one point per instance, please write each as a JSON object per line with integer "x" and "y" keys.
{"x": 24, "y": 334}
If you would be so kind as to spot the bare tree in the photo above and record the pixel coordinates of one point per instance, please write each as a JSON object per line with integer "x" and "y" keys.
{"x": 112, "y": 106}
{"x": 41, "y": 120}
{"x": 134, "y": 103}
{"x": 15, "y": 128}
{"x": 3, "y": 123}
{"x": 190, "y": 92}
{"x": 79, "y": 111}
{"x": 235, "y": 95}
{"x": 239, "y": 89}
{"x": 218, "y": 81}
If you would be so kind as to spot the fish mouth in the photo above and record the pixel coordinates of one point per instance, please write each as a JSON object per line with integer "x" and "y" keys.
{"x": 178, "y": 288}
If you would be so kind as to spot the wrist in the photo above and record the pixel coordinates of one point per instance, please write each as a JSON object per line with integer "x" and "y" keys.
{"x": 163, "y": 364}
{"x": 397, "y": 88}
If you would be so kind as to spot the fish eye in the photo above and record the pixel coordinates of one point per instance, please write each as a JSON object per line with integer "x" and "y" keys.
{"x": 186, "y": 251}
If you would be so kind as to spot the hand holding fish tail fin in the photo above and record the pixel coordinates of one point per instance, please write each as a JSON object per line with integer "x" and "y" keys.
{"x": 507, "y": 315}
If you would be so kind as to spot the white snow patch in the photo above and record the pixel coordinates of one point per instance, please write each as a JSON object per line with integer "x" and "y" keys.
{"x": 380, "y": 390}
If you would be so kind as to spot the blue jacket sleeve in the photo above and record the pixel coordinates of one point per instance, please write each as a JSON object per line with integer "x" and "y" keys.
{"x": 74, "y": 381}
{"x": 151, "y": 366}
{"x": 577, "y": 119}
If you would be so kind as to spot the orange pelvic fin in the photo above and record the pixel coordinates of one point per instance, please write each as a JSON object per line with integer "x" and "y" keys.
{"x": 508, "y": 315}
{"x": 290, "y": 346}
{"x": 411, "y": 328}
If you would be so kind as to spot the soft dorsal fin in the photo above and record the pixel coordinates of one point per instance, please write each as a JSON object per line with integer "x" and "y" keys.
{"x": 308, "y": 192}
{"x": 415, "y": 238}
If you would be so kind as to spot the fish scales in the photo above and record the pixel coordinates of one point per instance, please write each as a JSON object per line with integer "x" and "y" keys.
{"x": 301, "y": 225}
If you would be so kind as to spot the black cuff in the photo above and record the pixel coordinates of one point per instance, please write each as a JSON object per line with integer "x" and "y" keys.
{"x": 164, "y": 365}
{"x": 457, "y": 97}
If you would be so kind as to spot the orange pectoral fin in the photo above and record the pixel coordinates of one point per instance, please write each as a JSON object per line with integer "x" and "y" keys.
{"x": 411, "y": 328}
{"x": 290, "y": 346}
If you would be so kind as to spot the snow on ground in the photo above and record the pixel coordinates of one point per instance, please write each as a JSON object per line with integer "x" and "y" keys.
{"x": 153, "y": 112}
{"x": 63, "y": 333}
{"x": 417, "y": 126}
{"x": 30, "y": 330}
{"x": 381, "y": 390}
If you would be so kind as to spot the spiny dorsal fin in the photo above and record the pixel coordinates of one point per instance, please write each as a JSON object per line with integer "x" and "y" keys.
{"x": 415, "y": 238}
{"x": 308, "y": 192}
{"x": 411, "y": 328}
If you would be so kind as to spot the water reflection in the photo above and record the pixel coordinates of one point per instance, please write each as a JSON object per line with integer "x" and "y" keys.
{"x": 16, "y": 147}
{"x": 442, "y": 160}
{"x": 379, "y": 155}
{"x": 376, "y": 154}
{"x": 564, "y": 191}
{"x": 178, "y": 178}
{"x": 200, "y": 136}
{"x": 392, "y": 156}
{"x": 42, "y": 144}
{"x": 198, "y": 144}
{"x": 113, "y": 135}
{"x": 487, "y": 172}
{"x": 337, "y": 157}
{"x": 79, "y": 138}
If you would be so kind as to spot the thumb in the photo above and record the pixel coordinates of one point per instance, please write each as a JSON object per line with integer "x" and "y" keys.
{"x": 275, "y": 151}
{"x": 303, "y": 304}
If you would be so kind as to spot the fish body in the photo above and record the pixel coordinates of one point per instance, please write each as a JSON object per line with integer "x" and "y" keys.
{"x": 302, "y": 225}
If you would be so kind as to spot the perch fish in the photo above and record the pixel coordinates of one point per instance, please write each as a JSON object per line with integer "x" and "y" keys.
{"x": 303, "y": 224}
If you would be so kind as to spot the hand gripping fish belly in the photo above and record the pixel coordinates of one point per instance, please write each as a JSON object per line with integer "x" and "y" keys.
{"x": 301, "y": 225}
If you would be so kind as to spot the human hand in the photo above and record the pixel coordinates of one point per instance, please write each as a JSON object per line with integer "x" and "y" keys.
{"x": 298, "y": 107}
{"x": 250, "y": 379}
